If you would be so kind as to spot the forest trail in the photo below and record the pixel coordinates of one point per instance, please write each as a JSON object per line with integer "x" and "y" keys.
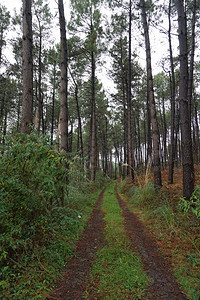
{"x": 77, "y": 275}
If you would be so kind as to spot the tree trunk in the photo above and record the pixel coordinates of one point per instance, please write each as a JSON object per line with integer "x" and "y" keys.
{"x": 124, "y": 109}
{"x": 197, "y": 130}
{"x": 130, "y": 148}
{"x": 79, "y": 120}
{"x": 93, "y": 121}
{"x": 1, "y": 45}
{"x": 53, "y": 100}
{"x": 164, "y": 131}
{"x": 191, "y": 69}
{"x": 39, "y": 81}
{"x": 186, "y": 141}
{"x": 149, "y": 133}
{"x": 64, "y": 81}
{"x": 172, "y": 83}
{"x": 150, "y": 92}
{"x": 27, "y": 66}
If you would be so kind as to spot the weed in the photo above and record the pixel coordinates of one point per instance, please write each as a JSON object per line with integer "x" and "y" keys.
{"x": 192, "y": 204}
{"x": 143, "y": 196}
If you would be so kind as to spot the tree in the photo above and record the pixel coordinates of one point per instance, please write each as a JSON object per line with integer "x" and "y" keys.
{"x": 41, "y": 27}
{"x": 150, "y": 96}
{"x": 130, "y": 143}
{"x": 27, "y": 65}
{"x": 186, "y": 141}
{"x": 192, "y": 51}
{"x": 4, "y": 23}
{"x": 86, "y": 17}
{"x": 119, "y": 55}
{"x": 53, "y": 73}
{"x": 172, "y": 81}
{"x": 63, "y": 119}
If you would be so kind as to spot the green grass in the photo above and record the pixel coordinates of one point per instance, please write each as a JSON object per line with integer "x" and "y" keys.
{"x": 117, "y": 272}
{"x": 176, "y": 230}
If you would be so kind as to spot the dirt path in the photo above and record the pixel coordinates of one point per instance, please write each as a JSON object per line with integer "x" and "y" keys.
{"x": 75, "y": 281}
{"x": 76, "y": 277}
{"x": 164, "y": 285}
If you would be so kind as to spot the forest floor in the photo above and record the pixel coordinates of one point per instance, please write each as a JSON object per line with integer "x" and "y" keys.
{"x": 100, "y": 268}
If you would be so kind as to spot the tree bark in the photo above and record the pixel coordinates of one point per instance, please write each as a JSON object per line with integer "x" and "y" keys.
{"x": 79, "y": 120}
{"x": 124, "y": 110}
{"x": 27, "y": 68}
{"x": 191, "y": 69}
{"x": 64, "y": 81}
{"x": 186, "y": 140}
{"x": 53, "y": 100}
{"x": 93, "y": 121}
{"x": 130, "y": 148}
{"x": 172, "y": 83}
{"x": 150, "y": 96}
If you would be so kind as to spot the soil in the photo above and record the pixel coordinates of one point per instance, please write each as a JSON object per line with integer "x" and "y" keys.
{"x": 75, "y": 279}
{"x": 76, "y": 276}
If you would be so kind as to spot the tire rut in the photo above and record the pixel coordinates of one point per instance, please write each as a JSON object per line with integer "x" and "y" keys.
{"x": 164, "y": 285}
{"x": 75, "y": 280}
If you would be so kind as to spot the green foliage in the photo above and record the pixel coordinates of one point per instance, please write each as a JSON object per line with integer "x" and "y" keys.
{"x": 40, "y": 216}
{"x": 142, "y": 196}
{"x": 122, "y": 186}
{"x": 193, "y": 204}
{"x": 176, "y": 230}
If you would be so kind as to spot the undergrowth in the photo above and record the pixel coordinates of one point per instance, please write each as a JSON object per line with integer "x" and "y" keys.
{"x": 117, "y": 271}
{"x": 43, "y": 209}
{"x": 176, "y": 226}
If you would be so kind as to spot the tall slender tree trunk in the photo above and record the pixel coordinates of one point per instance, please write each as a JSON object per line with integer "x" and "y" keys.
{"x": 39, "y": 115}
{"x": 79, "y": 119}
{"x": 149, "y": 132}
{"x": 53, "y": 100}
{"x": 93, "y": 120}
{"x": 124, "y": 110}
{"x": 154, "y": 122}
{"x": 191, "y": 69}
{"x": 27, "y": 67}
{"x": 186, "y": 140}
{"x": 80, "y": 135}
{"x": 172, "y": 83}
{"x": 1, "y": 45}
{"x": 197, "y": 136}
{"x": 130, "y": 148}
{"x": 164, "y": 131}
{"x": 64, "y": 81}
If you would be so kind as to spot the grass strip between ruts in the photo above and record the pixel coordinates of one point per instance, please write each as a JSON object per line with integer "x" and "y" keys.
{"x": 117, "y": 272}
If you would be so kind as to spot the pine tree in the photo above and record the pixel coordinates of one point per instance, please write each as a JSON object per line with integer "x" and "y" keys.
{"x": 27, "y": 42}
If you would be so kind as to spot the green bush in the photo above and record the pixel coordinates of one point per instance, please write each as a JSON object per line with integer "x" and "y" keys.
{"x": 44, "y": 207}
{"x": 36, "y": 221}
{"x": 33, "y": 181}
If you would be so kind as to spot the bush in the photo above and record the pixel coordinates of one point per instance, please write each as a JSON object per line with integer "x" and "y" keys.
{"x": 33, "y": 207}
{"x": 43, "y": 209}
{"x": 33, "y": 181}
